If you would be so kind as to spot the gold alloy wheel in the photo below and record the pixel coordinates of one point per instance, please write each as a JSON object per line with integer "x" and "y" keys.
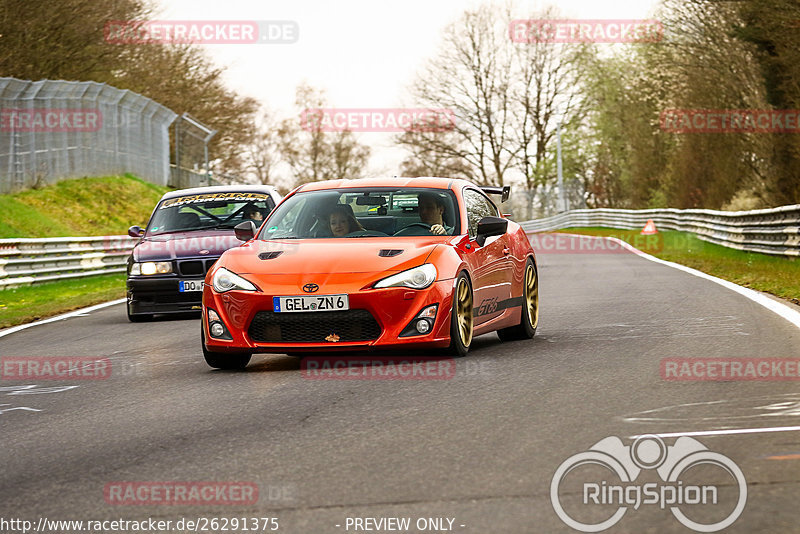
{"x": 464, "y": 311}
{"x": 532, "y": 295}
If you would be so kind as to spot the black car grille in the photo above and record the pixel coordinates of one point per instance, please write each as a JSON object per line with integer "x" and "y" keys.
{"x": 195, "y": 267}
{"x": 313, "y": 327}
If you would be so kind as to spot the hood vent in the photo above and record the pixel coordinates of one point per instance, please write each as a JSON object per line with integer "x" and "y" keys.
{"x": 389, "y": 252}
{"x": 270, "y": 255}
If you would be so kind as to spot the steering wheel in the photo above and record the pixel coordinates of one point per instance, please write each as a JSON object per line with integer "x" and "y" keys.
{"x": 426, "y": 226}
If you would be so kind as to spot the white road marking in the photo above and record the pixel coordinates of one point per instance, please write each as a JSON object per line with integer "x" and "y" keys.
{"x": 721, "y": 432}
{"x": 4, "y": 410}
{"x": 77, "y": 313}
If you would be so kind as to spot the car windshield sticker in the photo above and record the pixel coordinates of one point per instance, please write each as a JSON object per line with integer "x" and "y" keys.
{"x": 210, "y": 197}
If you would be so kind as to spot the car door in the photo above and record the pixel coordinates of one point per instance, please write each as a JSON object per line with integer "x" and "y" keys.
{"x": 491, "y": 267}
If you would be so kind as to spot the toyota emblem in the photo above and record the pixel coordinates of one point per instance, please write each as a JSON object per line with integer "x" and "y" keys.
{"x": 311, "y": 288}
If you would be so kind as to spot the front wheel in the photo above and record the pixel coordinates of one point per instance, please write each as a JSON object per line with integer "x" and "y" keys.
{"x": 461, "y": 320}
{"x": 529, "y": 316}
{"x": 222, "y": 360}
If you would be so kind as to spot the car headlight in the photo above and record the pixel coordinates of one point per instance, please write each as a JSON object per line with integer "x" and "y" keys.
{"x": 416, "y": 278}
{"x": 151, "y": 267}
{"x": 225, "y": 280}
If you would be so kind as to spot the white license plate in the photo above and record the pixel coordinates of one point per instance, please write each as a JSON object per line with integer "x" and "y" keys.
{"x": 309, "y": 303}
{"x": 185, "y": 286}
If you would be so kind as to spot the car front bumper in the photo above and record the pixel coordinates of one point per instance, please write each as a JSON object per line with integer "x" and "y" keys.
{"x": 393, "y": 309}
{"x": 151, "y": 294}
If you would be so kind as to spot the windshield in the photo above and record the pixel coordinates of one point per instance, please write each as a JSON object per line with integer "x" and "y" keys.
{"x": 209, "y": 210}
{"x": 367, "y": 212}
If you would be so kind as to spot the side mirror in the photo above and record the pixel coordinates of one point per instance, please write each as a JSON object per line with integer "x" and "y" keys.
{"x": 245, "y": 231}
{"x": 490, "y": 226}
{"x": 135, "y": 231}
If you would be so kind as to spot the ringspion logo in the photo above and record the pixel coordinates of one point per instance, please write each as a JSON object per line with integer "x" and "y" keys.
{"x": 609, "y": 471}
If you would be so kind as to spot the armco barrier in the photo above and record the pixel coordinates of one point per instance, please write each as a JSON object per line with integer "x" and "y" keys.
{"x": 30, "y": 261}
{"x": 773, "y": 231}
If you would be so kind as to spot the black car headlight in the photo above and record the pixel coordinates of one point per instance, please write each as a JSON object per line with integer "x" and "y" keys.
{"x": 151, "y": 267}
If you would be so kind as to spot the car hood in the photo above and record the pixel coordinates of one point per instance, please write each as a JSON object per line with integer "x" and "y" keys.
{"x": 185, "y": 245}
{"x": 343, "y": 255}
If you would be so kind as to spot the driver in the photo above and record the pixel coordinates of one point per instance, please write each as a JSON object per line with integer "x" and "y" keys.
{"x": 431, "y": 209}
{"x": 253, "y": 213}
{"x": 342, "y": 221}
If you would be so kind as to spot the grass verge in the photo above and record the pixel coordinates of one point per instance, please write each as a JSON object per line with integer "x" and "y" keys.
{"x": 776, "y": 275}
{"x": 79, "y": 207}
{"x": 30, "y": 303}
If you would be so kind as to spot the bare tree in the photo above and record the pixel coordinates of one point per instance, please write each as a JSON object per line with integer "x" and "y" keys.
{"x": 470, "y": 78}
{"x": 263, "y": 154}
{"x": 545, "y": 91}
{"x": 313, "y": 153}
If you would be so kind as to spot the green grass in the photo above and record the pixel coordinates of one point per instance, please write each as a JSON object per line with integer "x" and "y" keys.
{"x": 30, "y": 303}
{"x": 80, "y": 207}
{"x": 776, "y": 275}
{"x": 72, "y": 208}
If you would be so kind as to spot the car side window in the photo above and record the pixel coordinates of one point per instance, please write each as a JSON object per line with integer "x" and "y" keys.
{"x": 478, "y": 207}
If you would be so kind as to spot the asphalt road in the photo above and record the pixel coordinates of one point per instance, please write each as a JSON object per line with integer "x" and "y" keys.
{"x": 480, "y": 449}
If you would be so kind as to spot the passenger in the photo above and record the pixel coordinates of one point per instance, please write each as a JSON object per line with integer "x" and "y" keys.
{"x": 431, "y": 211}
{"x": 342, "y": 221}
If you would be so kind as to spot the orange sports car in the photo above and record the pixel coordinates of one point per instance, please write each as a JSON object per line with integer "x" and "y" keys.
{"x": 372, "y": 264}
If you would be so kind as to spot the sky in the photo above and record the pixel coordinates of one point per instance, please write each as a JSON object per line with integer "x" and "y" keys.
{"x": 363, "y": 53}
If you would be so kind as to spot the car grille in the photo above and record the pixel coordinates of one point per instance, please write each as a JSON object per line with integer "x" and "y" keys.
{"x": 195, "y": 267}
{"x": 313, "y": 327}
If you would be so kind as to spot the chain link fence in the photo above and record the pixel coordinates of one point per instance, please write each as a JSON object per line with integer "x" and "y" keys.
{"x": 51, "y": 130}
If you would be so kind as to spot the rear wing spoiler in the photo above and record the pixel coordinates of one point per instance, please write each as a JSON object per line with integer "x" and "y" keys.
{"x": 503, "y": 191}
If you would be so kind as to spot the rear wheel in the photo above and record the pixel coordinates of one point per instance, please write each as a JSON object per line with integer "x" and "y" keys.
{"x": 461, "y": 320}
{"x": 224, "y": 360}
{"x": 529, "y": 317}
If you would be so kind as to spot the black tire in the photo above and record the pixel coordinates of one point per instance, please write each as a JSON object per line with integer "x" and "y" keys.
{"x": 139, "y": 317}
{"x": 224, "y": 360}
{"x": 461, "y": 317}
{"x": 529, "y": 317}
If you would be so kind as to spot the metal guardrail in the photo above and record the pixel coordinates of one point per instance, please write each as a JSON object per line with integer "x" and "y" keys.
{"x": 774, "y": 231}
{"x": 30, "y": 261}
